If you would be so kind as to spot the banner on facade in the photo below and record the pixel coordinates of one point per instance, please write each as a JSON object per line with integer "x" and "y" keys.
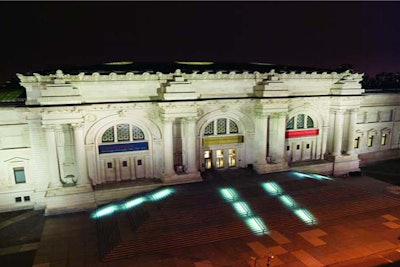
{"x": 125, "y": 147}
{"x": 208, "y": 141}
{"x": 302, "y": 133}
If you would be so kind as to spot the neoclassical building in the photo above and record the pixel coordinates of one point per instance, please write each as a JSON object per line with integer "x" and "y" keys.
{"x": 81, "y": 130}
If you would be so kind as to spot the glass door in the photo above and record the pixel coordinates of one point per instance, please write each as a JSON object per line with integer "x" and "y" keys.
{"x": 207, "y": 159}
{"x": 219, "y": 162}
{"x": 232, "y": 157}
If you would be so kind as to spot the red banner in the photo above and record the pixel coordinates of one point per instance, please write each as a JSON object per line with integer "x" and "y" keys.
{"x": 302, "y": 133}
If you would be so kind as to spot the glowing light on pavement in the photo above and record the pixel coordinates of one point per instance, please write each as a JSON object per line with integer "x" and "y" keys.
{"x": 272, "y": 188}
{"x": 108, "y": 210}
{"x": 129, "y": 204}
{"x": 256, "y": 224}
{"x": 305, "y": 216}
{"x": 288, "y": 201}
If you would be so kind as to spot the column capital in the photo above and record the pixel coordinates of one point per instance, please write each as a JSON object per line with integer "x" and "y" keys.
{"x": 167, "y": 119}
{"x": 77, "y": 125}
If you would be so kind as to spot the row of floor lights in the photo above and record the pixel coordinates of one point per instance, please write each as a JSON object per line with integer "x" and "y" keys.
{"x": 274, "y": 189}
{"x": 129, "y": 204}
{"x": 255, "y": 223}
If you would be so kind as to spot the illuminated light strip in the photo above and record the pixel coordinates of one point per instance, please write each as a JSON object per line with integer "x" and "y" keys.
{"x": 229, "y": 194}
{"x": 255, "y": 224}
{"x": 110, "y": 209}
{"x": 305, "y": 216}
{"x": 311, "y": 175}
{"x": 274, "y": 189}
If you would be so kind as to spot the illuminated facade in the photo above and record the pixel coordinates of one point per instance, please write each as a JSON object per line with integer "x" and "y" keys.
{"x": 79, "y": 130}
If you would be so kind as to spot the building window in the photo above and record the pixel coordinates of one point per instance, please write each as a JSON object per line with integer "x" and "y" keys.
{"x": 356, "y": 143}
{"x": 18, "y": 199}
{"x": 137, "y": 133}
{"x": 19, "y": 175}
{"x": 27, "y": 198}
{"x": 370, "y": 140}
{"x": 298, "y": 147}
{"x": 301, "y": 121}
{"x": 123, "y": 134}
{"x": 108, "y": 135}
{"x": 383, "y": 139}
{"x": 139, "y": 162}
{"x": 109, "y": 165}
{"x": 308, "y": 146}
{"x": 124, "y": 163}
{"x": 220, "y": 127}
{"x": 287, "y": 148}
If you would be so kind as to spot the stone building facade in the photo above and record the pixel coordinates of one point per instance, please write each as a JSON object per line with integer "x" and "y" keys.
{"x": 79, "y": 131}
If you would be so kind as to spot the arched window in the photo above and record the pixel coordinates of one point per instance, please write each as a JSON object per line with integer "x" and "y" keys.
{"x": 122, "y": 133}
{"x": 221, "y": 126}
{"x": 300, "y": 121}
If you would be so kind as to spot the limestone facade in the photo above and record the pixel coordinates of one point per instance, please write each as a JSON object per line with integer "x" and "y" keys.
{"x": 78, "y": 131}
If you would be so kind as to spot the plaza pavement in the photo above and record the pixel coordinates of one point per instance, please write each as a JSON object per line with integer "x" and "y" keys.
{"x": 358, "y": 223}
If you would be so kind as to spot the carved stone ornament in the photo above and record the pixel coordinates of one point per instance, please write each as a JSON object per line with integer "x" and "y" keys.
{"x": 90, "y": 117}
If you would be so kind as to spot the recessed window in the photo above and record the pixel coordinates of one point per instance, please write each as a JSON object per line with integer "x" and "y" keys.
{"x": 18, "y": 199}
{"x": 220, "y": 127}
{"x": 298, "y": 147}
{"x": 383, "y": 139}
{"x": 27, "y": 198}
{"x": 109, "y": 165}
{"x": 308, "y": 146}
{"x": 301, "y": 121}
{"x": 124, "y": 163}
{"x": 287, "y": 148}
{"x": 356, "y": 142}
{"x": 370, "y": 140}
{"x": 139, "y": 162}
{"x": 19, "y": 175}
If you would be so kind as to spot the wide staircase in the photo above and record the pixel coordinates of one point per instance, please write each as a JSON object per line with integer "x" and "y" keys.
{"x": 197, "y": 213}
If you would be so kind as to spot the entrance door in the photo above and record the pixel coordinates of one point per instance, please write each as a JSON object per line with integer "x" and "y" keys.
{"x": 208, "y": 159}
{"x": 232, "y": 157}
{"x": 125, "y": 169}
{"x": 219, "y": 158}
{"x": 139, "y": 166}
{"x": 109, "y": 167}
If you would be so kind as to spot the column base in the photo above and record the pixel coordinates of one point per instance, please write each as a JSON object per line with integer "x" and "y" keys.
{"x": 182, "y": 178}
{"x": 271, "y": 167}
{"x": 344, "y": 164}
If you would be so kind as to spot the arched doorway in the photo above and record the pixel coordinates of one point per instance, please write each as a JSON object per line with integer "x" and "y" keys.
{"x": 222, "y": 144}
{"x": 302, "y": 137}
{"x": 123, "y": 153}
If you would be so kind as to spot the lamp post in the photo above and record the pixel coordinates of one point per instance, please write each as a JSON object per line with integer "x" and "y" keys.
{"x": 269, "y": 257}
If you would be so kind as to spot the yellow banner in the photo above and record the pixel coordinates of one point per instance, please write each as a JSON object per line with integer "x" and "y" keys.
{"x": 222, "y": 140}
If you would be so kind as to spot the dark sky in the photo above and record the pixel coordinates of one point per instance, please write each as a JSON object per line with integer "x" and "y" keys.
{"x": 35, "y": 35}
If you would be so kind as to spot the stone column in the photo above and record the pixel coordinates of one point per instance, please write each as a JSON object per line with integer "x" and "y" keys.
{"x": 324, "y": 140}
{"x": 168, "y": 147}
{"x": 52, "y": 154}
{"x": 352, "y": 128}
{"x": 277, "y": 137}
{"x": 261, "y": 138}
{"x": 191, "y": 144}
{"x": 80, "y": 154}
{"x": 338, "y": 133}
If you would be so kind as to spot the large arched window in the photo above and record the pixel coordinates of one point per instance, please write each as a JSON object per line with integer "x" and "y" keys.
{"x": 300, "y": 121}
{"x": 122, "y": 133}
{"x": 221, "y": 127}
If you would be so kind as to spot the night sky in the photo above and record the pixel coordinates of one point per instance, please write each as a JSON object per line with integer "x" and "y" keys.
{"x": 36, "y": 35}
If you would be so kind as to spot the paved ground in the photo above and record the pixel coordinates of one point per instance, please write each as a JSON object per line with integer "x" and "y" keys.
{"x": 358, "y": 225}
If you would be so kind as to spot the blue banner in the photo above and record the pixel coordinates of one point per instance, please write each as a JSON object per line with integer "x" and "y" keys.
{"x": 125, "y": 147}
